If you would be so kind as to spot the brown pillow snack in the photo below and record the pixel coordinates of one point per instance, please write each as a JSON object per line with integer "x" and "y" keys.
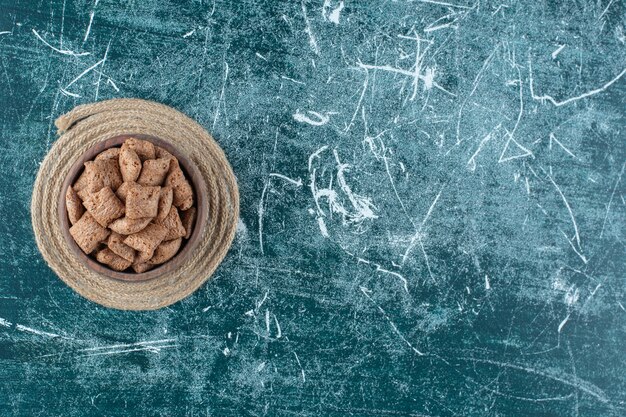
{"x": 103, "y": 173}
{"x": 162, "y": 153}
{"x": 148, "y": 239}
{"x": 123, "y": 190}
{"x": 165, "y": 251}
{"x": 142, "y": 267}
{"x": 117, "y": 245}
{"x": 154, "y": 171}
{"x": 74, "y": 206}
{"x": 88, "y": 233}
{"x": 111, "y": 153}
{"x": 116, "y": 262}
{"x": 165, "y": 202}
{"x": 173, "y": 224}
{"x": 144, "y": 149}
{"x": 143, "y": 257}
{"x": 188, "y": 219}
{"x": 126, "y": 226}
{"x": 183, "y": 193}
{"x": 131, "y": 207}
{"x": 80, "y": 186}
{"x": 81, "y": 182}
{"x": 104, "y": 206}
{"x": 130, "y": 164}
{"x": 142, "y": 201}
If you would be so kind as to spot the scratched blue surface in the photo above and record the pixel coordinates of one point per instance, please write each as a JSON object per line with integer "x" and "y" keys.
{"x": 432, "y": 216}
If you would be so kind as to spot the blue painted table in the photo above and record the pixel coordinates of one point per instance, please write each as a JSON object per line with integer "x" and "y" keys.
{"x": 432, "y": 219}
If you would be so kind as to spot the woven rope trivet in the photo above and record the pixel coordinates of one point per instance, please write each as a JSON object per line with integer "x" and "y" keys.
{"x": 89, "y": 124}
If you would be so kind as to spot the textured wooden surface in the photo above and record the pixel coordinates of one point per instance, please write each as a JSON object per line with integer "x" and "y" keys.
{"x": 432, "y": 208}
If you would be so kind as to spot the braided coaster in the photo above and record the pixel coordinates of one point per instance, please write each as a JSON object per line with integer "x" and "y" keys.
{"x": 89, "y": 124}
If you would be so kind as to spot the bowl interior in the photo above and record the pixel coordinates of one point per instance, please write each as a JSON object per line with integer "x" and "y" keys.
{"x": 201, "y": 203}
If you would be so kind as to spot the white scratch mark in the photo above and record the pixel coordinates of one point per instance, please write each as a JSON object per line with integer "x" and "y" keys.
{"x": 316, "y": 154}
{"x": 323, "y": 228}
{"x": 521, "y": 100}
{"x": 417, "y": 237}
{"x": 362, "y": 205}
{"x": 439, "y": 27}
{"x": 563, "y": 323}
{"x": 621, "y": 306}
{"x": 303, "y": 118}
{"x": 284, "y": 77}
{"x": 358, "y": 104}
{"x": 260, "y": 303}
{"x": 487, "y": 284}
{"x": 567, "y": 379}
{"x": 405, "y": 283}
{"x": 279, "y": 332}
{"x": 558, "y": 51}
{"x": 606, "y": 9}
{"x": 427, "y": 77}
{"x": 580, "y": 255}
{"x": 151, "y": 349}
{"x": 22, "y": 328}
{"x": 188, "y": 34}
{"x": 106, "y": 53}
{"x": 300, "y": 365}
{"x": 309, "y": 31}
{"x": 554, "y": 139}
{"x": 261, "y": 211}
{"x": 62, "y": 24}
{"x": 391, "y": 323}
{"x": 430, "y": 272}
{"x": 595, "y": 290}
{"x": 525, "y": 151}
{"x": 512, "y": 134}
{"x": 112, "y": 83}
{"x": 608, "y": 207}
{"x": 267, "y": 321}
{"x": 82, "y": 74}
{"x": 68, "y": 93}
{"x": 297, "y": 183}
{"x": 442, "y": 3}
{"x": 261, "y": 56}
{"x": 5, "y": 32}
{"x": 127, "y": 345}
{"x": 558, "y": 103}
{"x": 91, "y": 15}
{"x": 61, "y": 51}
{"x": 432, "y": 206}
{"x": 5, "y": 322}
{"x": 571, "y": 297}
{"x": 471, "y": 163}
{"x": 569, "y": 210}
{"x": 221, "y": 99}
{"x": 383, "y": 155}
{"x": 334, "y": 15}
{"x": 475, "y": 84}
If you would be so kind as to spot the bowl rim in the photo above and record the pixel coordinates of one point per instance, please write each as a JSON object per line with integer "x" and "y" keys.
{"x": 192, "y": 173}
